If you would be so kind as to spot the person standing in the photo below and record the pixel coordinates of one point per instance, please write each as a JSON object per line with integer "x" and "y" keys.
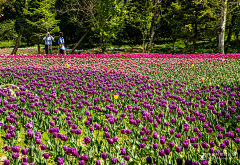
{"x": 61, "y": 43}
{"x": 48, "y": 43}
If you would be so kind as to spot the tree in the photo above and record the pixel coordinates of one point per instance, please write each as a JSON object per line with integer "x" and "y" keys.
{"x": 140, "y": 16}
{"x": 190, "y": 20}
{"x": 109, "y": 21}
{"x": 223, "y": 5}
{"x": 83, "y": 13}
{"x": 41, "y": 16}
{"x": 105, "y": 18}
{"x": 156, "y": 12}
{"x": 19, "y": 6}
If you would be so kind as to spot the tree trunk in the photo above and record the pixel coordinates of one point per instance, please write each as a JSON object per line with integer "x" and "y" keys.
{"x": 28, "y": 40}
{"x": 14, "y": 51}
{"x": 153, "y": 26}
{"x": 80, "y": 41}
{"x": 237, "y": 43}
{"x": 186, "y": 46}
{"x": 103, "y": 47}
{"x": 193, "y": 47}
{"x": 195, "y": 33}
{"x": 222, "y": 28}
{"x": 229, "y": 34}
{"x": 173, "y": 45}
{"x": 39, "y": 47}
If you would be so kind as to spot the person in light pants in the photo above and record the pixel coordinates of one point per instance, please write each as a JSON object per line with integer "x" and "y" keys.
{"x": 61, "y": 43}
{"x": 48, "y": 43}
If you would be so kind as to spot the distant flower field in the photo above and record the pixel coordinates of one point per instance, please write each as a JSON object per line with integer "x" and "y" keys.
{"x": 120, "y": 109}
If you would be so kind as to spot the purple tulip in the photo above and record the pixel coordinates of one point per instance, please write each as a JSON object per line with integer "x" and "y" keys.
{"x": 141, "y": 145}
{"x": 204, "y": 162}
{"x": 24, "y": 151}
{"x": 209, "y": 130}
{"x": 52, "y": 123}
{"x": 123, "y": 151}
{"x": 81, "y": 162}
{"x": 217, "y": 152}
{"x": 15, "y": 149}
{"x": 29, "y": 135}
{"x": 25, "y": 159}
{"x": 166, "y": 124}
{"x": 148, "y": 132}
{"x": 144, "y": 139}
{"x": 222, "y": 145}
{"x": 114, "y": 160}
{"x": 204, "y": 144}
{"x": 161, "y": 153}
{"x": 148, "y": 160}
{"x": 195, "y": 145}
{"x": 86, "y": 123}
{"x": 104, "y": 156}
{"x": 155, "y": 135}
{"x": 237, "y": 140}
{"x": 128, "y": 131}
{"x": 90, "y": 129}
{"x": 122, "y": 131}
{"x": 126, "y": 157}
{"x": 15, "y": 155}
{"x": 188, "y": 162}
{"x": 220, "y": 136}
{"x": 98, "y": 162}
{"x": 107, "y": 135}
{"x": 155, "y": 146}
{"x": 195, "y": 129}
{"x": 226, "y": 142}
{"x": 171, "y": 144}
{"x": 38, "y": 141}
{"x": 173, "y": 120}
{"x": 166, "y": 151}
{"x": 105, "y": 128}
{"x": 6, "y": 148}
{"x": 6, "y": 162}
{"x": 162, "y": 141}
{"x": 211, "y": 150}
{"x": 110, "y": 141}
{"x": 115, "y": 139}
{"x": 178, "y": 149}
{"x": 142, "y": 133}
{"x": 179, "y": 161}
{"x": 46, "y": 155}
{"x": 212, "y": 144}
{"x": 87, "y": 140}
{"x": 199, "y": 134}
{"x": 177, "y": 135}
{"x": 171, "y": 131}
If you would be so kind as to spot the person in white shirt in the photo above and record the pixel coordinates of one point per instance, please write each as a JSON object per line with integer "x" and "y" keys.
{"x": 48, "y": 43}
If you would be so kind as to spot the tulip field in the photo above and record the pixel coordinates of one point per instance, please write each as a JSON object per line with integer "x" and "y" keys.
{"x": 123, "y": 109}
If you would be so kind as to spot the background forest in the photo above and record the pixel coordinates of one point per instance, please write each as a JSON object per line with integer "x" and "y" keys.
{"x": 165, "y": 26}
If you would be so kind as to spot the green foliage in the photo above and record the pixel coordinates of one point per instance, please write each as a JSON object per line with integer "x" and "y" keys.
{"x": 7, "y": 30}
{"x": 110, "y": 21}
{"x": 41, "y": 17}
{"x": 140, "y": 16}
{"x": 183, "y": 15}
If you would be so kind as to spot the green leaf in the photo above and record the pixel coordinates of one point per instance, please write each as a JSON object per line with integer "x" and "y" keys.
{"x": 134, "y": 162}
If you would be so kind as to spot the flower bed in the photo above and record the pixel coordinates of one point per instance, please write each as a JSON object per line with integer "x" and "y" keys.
{"x": 117, "y": 109}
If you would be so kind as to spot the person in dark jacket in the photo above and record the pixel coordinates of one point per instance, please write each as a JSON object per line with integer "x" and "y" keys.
{"x": 61, "y": 43}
